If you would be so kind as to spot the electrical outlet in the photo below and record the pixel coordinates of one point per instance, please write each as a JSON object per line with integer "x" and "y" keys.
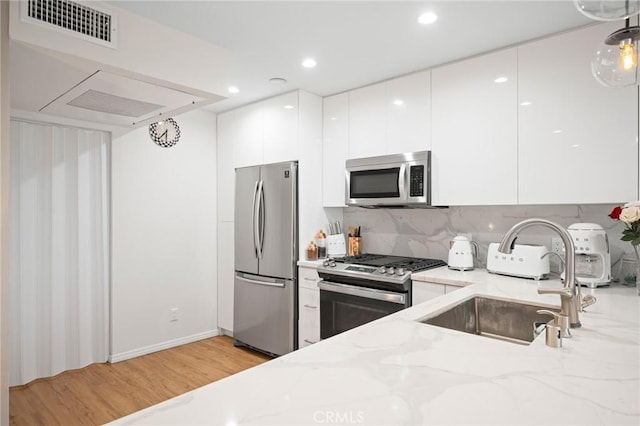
{"x": 557, "y": 246}
{"x": 173, "y": 314}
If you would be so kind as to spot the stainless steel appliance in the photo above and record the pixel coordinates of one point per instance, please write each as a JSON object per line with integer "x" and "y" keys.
{"x": 402, "y": 180}
{"x": 355, "y": 290}
{"x": 266, "y": 252}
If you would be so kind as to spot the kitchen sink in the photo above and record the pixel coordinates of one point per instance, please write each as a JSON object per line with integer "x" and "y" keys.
{"x": 510, "y": 321}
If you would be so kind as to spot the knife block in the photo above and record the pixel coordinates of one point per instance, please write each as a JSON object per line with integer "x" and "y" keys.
{"x": 336, "y": 246}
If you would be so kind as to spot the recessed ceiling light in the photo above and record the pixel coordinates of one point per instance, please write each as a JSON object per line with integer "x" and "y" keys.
{"x": 427, "y": 18}
{"x": 398, "y": 102}
{"x": 309, "y": 63}
{"x": 233, "y": 89}
{"x": 525, "y": 103}
{"x": 288, "y": 107}
{"x": 333, "y": 118}
{"x": 575, "y": 145}
{"x": 501, "y": 80}
{"x": 277, "y": 80}
{"x": 557, "y": 131}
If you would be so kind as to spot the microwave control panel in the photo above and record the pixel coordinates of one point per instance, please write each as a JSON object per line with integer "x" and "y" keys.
{"x": 416, "y": 181}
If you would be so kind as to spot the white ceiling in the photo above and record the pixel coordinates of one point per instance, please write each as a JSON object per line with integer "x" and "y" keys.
{"x": 354, "y": 42}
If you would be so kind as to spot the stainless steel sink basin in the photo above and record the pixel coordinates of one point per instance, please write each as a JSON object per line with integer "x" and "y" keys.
{"x": 499, "y": 319}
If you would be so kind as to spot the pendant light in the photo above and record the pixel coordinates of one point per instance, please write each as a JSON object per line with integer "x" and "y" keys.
{"x": 608, "y": 10}
{"x": 616, "y": 61}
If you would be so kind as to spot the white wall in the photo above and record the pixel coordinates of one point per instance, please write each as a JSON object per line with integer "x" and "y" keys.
{"x": 4, "y": 207}
{"x": 164, "y": 238}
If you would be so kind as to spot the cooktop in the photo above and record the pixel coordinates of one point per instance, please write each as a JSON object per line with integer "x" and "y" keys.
{"x": 413, "y": 264}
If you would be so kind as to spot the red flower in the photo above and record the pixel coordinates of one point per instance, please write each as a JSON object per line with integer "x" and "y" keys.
{"x": 615, "y": 213}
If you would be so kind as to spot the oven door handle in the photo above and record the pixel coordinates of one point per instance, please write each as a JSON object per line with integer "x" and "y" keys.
{"x": 368, "y": 293}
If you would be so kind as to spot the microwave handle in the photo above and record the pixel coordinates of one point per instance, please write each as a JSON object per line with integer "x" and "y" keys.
{"x": 402, "y": 180}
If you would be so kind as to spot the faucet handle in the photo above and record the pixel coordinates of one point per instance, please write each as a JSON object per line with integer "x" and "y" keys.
{"x": 563, "y": 291}
{"x": 588, "y": 300}
{"x": 559, "y": 320}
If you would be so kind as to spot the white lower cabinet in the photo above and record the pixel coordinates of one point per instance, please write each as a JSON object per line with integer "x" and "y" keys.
{"x": 423, "y": 291}
{"x": 308, "y": 307}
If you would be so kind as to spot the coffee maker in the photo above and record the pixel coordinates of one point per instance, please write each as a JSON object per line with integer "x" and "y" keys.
{"x": 593, "y": 257}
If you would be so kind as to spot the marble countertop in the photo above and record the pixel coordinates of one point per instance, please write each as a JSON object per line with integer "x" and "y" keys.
{"x": 397, "y": 370}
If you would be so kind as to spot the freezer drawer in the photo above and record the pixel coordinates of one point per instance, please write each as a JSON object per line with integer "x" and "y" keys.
{"x": 264, "y": 314}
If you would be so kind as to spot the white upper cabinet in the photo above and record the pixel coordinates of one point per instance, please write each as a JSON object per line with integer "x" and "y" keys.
{"x": 577, "y": 138}
{"x": 267, "y": 131}
{"x": 367, "y": 121}
{"x": 475, "y": 134}
{"x": 334, "y": 148}
{"x": 409, "y": 113}
{"x": 391, "y": 117}
{"x": 280, "y": 124}
{"x": 248, "y": 149}
{"x": 226, "y": 172}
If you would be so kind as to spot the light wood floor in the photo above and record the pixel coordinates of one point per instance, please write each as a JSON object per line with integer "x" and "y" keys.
{"x": 101, "y": 393}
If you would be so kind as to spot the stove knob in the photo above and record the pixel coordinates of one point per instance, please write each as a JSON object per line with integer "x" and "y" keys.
{"x": 400, "y": 271}
{"x": 382, "y": 269}
{"x": 391, "y": 270}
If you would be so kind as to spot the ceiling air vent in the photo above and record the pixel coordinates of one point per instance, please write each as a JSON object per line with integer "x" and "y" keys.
{"x": 88, "y": 23}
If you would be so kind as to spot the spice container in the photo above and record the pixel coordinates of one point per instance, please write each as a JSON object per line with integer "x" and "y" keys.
{"x": 321, "y": 243}
{"x": 312, "y": 251}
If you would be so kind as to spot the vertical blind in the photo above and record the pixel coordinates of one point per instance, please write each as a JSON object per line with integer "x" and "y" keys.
{"x": 59, "y": 250}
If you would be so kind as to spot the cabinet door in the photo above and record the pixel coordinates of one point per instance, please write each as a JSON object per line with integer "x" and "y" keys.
{"x": 577, "y": 138}
{"x": 280, "y": 124}
{"x": 451, "y": 288}
{"x": 409, "y": 113}
{"x": 248, "y": 150}
{"x": 226, "y": 174}
{"x": 334, "y": 148}
{"x": 309, "y": 317}
{"x": 475, "y": 145}
{"x": 225, "y": 275}
{"x": 423, "y": 291}
{"x": 367, "y": 121}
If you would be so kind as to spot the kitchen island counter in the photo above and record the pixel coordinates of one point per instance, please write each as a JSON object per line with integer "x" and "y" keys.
{"x": 397, "y": 370}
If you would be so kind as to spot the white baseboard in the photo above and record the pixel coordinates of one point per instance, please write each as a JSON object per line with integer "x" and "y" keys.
{"x": 225, "y": 332}
{"x": 162, "y": 346}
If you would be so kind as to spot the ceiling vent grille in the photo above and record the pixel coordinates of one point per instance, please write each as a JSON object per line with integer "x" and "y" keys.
{"x": 88, "y": 22}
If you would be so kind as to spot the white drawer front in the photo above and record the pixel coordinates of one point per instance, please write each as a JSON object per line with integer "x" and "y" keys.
{"x": 309, "y": 317}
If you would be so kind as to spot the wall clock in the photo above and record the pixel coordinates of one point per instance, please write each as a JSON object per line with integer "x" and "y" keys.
{"x": 165, "y": 133}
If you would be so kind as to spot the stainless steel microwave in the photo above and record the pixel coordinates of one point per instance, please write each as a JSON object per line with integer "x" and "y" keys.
{"x": 400, "y": 180}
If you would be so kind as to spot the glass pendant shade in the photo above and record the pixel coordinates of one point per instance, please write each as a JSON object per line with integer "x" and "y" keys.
{"x": 608, "y": 10}
{"x": 608, "y": 65}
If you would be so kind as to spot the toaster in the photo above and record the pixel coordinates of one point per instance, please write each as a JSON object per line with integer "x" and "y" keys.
{"x": 525, "y": 261}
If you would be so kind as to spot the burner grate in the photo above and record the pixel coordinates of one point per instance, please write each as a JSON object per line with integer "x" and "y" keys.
{"x": 412, "y": 264}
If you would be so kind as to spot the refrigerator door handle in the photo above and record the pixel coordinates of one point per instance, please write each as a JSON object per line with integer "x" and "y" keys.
{"x": 267, "y": 283}
{"x": 255, "y": 207}
{"x": 262, "y": 211}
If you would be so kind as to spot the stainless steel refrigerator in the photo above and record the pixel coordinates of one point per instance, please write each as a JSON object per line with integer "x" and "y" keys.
{"x": 266, "y": 253}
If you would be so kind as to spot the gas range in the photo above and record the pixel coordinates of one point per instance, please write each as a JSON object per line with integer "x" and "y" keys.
{"x": 376, "y": 270}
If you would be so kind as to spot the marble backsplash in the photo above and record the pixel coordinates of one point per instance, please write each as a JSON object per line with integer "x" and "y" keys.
{"x": 427, "y": 232}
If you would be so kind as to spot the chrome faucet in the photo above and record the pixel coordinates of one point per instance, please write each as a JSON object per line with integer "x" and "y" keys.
{"x": 570, "y": 294}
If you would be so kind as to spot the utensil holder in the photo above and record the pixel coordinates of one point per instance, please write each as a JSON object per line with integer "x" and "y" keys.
{"x": 336, "y": 246}
{"x": 355, "y": 246}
